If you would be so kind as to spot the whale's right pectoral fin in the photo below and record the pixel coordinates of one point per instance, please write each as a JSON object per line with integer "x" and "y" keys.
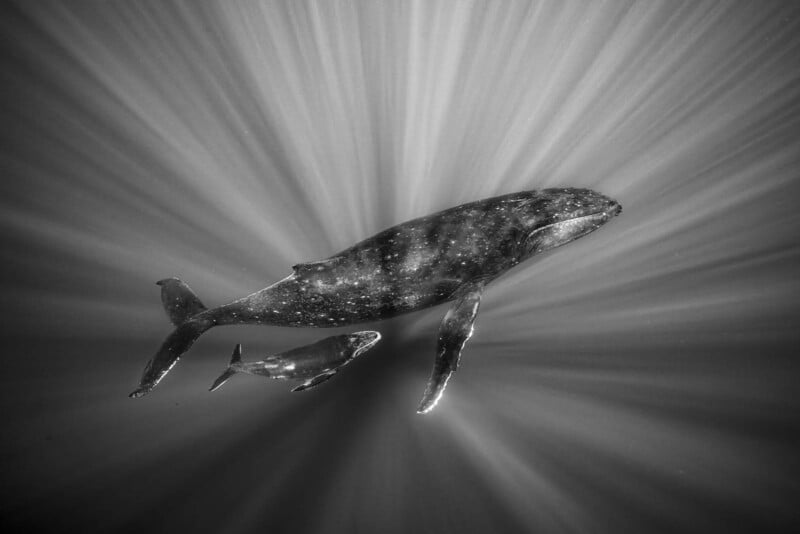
{"x": 317, "y": 380}
{"x": 455, "y": 330}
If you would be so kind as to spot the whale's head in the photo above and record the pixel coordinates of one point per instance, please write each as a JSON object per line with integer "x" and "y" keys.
{"x": 553, "y": 217}
{"x": 361, "y": 342}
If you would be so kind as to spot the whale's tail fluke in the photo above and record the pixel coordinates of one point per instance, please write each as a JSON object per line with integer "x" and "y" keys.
{"x": 182, "y": 307}
{"x": 179, "y": 300}
{"x": 231, "y": 370}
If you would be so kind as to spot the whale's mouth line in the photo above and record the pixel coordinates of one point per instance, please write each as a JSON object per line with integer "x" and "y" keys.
{"x": 601, "y": 213}
{"x": 368, "y": 345}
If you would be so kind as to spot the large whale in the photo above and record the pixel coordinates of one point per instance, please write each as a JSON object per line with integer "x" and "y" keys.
{"x": 448, "y": 256}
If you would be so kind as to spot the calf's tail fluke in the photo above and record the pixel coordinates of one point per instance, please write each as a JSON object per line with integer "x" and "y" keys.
{"x": 182, "y": 307}
{"x": 231, "y": 370}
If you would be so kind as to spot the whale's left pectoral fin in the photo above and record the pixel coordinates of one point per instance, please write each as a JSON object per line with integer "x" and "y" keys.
{"x": 317, "y": 380}
{"x": 455, "y": 330}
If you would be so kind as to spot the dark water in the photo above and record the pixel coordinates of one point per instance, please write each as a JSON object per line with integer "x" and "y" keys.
{"x": 642, "y": 379}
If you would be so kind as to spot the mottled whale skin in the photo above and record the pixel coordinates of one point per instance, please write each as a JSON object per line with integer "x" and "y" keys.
{"x": 314, "y": 363}
{"x": 447, "y": 256}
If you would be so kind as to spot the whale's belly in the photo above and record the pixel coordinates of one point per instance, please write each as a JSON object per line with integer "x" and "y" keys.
{"x": 352, "y": 298}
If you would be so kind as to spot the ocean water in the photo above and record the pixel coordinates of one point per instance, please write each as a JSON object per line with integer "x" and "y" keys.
{"x": 641, "y": 379}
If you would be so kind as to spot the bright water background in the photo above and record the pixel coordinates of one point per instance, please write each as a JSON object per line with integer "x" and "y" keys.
{"x": 642, "y": 379}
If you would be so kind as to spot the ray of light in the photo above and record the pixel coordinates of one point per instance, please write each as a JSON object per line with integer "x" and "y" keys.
{"x": 641, "y": 379}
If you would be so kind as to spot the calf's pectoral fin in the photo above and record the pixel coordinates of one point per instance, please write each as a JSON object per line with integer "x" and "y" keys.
{"x": 455, "y": 330}
{"x": 315, "y": 381}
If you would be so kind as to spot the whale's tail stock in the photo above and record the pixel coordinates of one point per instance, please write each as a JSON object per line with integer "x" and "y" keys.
{"x": 182, "y": 307}
{"x": 231, "y": 370}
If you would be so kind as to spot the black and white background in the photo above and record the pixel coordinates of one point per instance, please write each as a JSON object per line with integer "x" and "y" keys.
{"x": 642, "y": 379}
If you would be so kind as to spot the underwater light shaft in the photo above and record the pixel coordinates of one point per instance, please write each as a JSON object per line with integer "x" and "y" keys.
{"x": 642, "y": 378}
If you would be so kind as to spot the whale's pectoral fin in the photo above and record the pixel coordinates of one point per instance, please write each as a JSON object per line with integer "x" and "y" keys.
{"x": 317, "y": 380}
{"x": 455, "y": 330}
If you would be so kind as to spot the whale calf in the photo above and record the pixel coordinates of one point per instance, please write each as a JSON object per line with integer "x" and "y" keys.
{"x": 449, "y": 256}
{"x": 314, "y": 364}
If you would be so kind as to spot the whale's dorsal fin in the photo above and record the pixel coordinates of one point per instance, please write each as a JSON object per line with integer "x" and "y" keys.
{"x": 317, "y": 380}
{"x": 314, "y": 267}
{"x": 455, "y": 330}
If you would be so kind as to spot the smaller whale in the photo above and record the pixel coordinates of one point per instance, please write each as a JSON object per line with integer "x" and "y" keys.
{"x": 314, "y": 364}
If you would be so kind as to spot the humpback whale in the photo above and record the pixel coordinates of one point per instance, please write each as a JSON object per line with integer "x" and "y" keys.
{"x": 449, "y": 256}
{"x": 313, "y": 363}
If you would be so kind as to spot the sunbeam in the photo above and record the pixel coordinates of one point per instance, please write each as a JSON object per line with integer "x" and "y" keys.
{"x": 641, "y": 379}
